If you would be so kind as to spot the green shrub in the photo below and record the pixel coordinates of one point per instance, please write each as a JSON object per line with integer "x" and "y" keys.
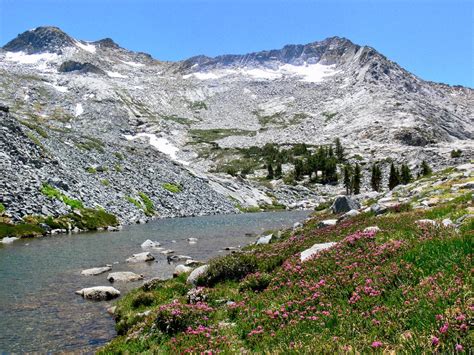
{"x": 456, "y": 153}
{"x": 2, "y": 208}
{"x": 105, "y": 182}
{"x": 20, "y": 230}
{"x": 174, "y": 188}
{"x": 53, "y": 193}
{"x": 231, "y": 267}
{"x": 91, "y": 170}
{"x": 134, "y": 201}
{"x": 255, "y": 282}
{"x": 118, "y": 155}
{"x": 92, "y": 219}
{"x": 148, "y": 203}
{"x": 143, "y": 299}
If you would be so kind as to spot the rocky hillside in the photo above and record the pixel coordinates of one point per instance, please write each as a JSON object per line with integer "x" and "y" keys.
{"x": 391, "y": 275}
{"x": 88, "y": 105}
{"x": 130, "y": 180}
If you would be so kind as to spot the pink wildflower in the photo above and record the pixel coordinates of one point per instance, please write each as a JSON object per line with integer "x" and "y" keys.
{"x": 459, "y": 347}
{"x": 444, "y": 328}
{"x": 434, "y": 341}
{"x": 376, "y": 344}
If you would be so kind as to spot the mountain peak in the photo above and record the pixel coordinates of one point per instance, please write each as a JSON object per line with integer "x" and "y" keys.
{"x": 40, "y": 40}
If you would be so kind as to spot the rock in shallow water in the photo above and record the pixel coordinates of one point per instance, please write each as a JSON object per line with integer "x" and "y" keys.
{"x": 8, "y": 240}
{"x": 149, "y": 244}
{"x": 99, "y": 293}
{"x": 96, "y": 271}
{"x": 125, "y": 276}
{"x": 141, "y": 257}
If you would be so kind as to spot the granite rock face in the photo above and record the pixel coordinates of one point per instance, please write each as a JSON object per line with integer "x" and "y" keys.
{"x": 108, "y": 126}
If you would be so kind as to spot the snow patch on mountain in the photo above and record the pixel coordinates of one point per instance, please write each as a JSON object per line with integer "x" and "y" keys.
{"x": 24, "y": 58}
{"x": 59, "y": 88}
{"x": 114, "y": 74}
{"x": 312, "y": 73}
{"x": 161, "y": 144}
{"x": 79, "y": 110}
{"x": 133, "y": 64}
{"x": 87, "y": 47}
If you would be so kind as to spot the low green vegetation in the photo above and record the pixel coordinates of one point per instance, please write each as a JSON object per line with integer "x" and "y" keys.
{"x": 328, "y": 116}
{"x": 35, "y": 127}
{"x": 36, "y": 141}
{"x": 149, "y": 207}
{"x": 177, "y": 119}
{"x": 91, "y": 143}
{"x": 198, "y": 105}
{"x": 143, "y": 202}
{"x": 404, "y": 289}
{"x": 54, "y": 193}
{"x": 21, "y": 230}
{"x": 211, "y": 135}
{"x": 2, "y": 208}
{"x": 174, "y": 188}
{"x": 105, "y": 182}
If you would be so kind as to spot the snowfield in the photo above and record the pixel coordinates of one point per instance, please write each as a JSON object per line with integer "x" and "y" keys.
{"x": 311, "y": 73}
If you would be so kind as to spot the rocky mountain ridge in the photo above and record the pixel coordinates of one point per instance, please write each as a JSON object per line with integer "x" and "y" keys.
{"x": 81, "y": 102}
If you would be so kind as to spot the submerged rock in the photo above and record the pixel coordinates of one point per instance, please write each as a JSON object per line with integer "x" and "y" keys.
{"x": 99, "y": 293}
{"x": 96, "y": 270}
{"x": 124, "y": 276}
{"x": 141, "y": 257}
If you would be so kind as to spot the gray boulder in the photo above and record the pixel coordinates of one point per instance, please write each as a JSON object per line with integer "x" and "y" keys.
{"x": 201, "y": 270}
{"x": 378, "y": 209}
{"x": 141, "y": 257}
{"x": 327, "y": 223}
{"x": 315, "y": 249}
{"x": 344, "y": 204}
{"x": 124, "y": 276}
{"x": 96, "y": 270}
{"x": 99, "y": 293}
{"x": 265, "y": 239}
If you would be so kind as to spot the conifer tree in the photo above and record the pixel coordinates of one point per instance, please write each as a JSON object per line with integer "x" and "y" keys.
{"x": 376, "y": 178}
{"x": 356, "y": 179}
{"x": 299, "y": 169}
{"x": 278, "y": 171}
{"x": 339, "y": 150}
{"x": 394, "y": 178}
{"x": 406, "y": 174}
{"x": 348, "y": 179}
{"x": 425, "y": 169}
{"x": 270, "y": 171}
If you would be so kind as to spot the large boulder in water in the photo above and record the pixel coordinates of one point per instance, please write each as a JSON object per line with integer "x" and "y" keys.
{"x": 99, "y": 293}
{"x": 344, "y": 204}
{"x": 125, "y": 276}
{"x": 141, "y": 257}
{"x": 96, "y": 270}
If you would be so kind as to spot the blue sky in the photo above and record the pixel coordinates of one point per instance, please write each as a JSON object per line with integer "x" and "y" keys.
{"x": 432, "y": 38}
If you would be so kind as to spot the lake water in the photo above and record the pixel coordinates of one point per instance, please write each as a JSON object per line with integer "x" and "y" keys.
{"x": 38, "y": 308}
